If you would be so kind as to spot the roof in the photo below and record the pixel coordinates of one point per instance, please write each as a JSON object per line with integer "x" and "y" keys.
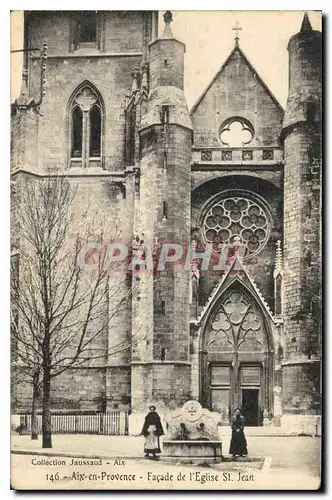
{"x": 248, "y": 63}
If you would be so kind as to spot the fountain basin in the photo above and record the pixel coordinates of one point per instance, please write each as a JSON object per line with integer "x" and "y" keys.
{"x": 191, "y": 451}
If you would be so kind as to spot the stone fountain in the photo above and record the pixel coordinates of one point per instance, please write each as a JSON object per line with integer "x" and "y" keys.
{"x": 192, "y": 435}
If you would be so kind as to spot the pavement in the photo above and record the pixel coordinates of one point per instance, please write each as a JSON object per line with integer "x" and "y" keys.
{"x": 282, "y": 462}
{"x": 102, "y": 446}
{"x": 81, "y": 445}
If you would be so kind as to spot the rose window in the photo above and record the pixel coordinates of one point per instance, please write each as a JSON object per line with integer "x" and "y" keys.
{"x": 236, "y": 217}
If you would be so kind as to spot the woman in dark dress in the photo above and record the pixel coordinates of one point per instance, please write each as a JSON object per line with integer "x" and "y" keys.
{"x": 152, "y": 430}
{"x": 238, "y": 446}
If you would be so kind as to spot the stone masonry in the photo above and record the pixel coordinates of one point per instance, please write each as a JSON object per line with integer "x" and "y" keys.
{"x": 245, "y": 336}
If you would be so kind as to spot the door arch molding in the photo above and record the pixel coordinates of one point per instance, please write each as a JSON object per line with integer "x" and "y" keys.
{"x": 236, "y": 336}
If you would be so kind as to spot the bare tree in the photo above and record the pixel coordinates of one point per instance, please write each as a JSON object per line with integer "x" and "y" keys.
{"x": 27, "y": 370}
{"x": 63, "y": 306}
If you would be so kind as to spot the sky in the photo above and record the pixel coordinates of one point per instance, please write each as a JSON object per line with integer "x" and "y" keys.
{"x": 209, "y": 38}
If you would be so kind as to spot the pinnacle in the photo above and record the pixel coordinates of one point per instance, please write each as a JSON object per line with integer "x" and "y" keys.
{"x": 168, "y": 18}
{"x": 306, "y": 25}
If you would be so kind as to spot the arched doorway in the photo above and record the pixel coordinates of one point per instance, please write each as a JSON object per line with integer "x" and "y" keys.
{"x": 236, "y": 356}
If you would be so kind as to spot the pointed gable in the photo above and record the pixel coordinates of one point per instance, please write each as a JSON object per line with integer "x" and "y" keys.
{"x": 237, "y": 91}
{"x": 235, "y": 272}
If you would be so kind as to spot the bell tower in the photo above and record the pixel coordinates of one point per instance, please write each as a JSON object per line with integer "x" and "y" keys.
{"x": 160, "y": 363}
{"x": 302, "y": 230}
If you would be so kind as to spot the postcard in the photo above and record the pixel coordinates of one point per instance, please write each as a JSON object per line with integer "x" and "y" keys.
{"x": 166, "y": 250}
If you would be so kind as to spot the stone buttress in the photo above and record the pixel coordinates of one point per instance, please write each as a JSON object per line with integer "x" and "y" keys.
{"x": 160, "y": 309}
{"x": 302, "y": 232}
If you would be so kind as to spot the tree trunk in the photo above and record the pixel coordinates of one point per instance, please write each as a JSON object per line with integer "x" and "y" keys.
{"x": 35, "y": 394}
{"x": 46, "y": 418}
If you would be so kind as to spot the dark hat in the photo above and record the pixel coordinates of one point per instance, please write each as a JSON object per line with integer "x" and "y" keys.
{"x": 152, "y": 408}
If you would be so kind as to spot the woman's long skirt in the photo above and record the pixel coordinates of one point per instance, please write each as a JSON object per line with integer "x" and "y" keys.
{"x": 152, "y": 444}
{"x": 238, "y": 444}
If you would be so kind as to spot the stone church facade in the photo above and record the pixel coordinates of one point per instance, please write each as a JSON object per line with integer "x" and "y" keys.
{"x": 237, "y": 177}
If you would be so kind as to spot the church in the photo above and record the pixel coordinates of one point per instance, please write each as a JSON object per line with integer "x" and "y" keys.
{"x": 237, "y": 178}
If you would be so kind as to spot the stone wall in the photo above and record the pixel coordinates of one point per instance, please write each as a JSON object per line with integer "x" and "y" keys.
{"x": 164, "y": 375}
{"x": 40, "y": 143}
{"x": 122, "y": 31}
{"x": 111, "y": 76}
{"x": 302, "y": 273}
{"x": 302, "y": 279}
{"x": 237, "y": 91}
{"x": 170, "y": 186}
{"x": 165, "y": 384}
{"x": 109, "y": 70}
{"x": 161, "y": 367}
{"x": 98, "y": 205}
{"x": 79, "y": 389}
{"x": 166, "y": 63}
{"x": 24, "y": 131}
{"x": 307, "y": 425}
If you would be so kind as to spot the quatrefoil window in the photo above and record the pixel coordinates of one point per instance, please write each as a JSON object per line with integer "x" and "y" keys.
{"x": 236, "y": 132}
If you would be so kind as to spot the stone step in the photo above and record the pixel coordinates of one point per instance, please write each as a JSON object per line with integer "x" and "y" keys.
{"x": 261, "y": 431}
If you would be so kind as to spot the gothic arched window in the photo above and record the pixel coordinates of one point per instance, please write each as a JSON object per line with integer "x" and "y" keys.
{"x": 236, "y": 326}
{"x": 77, "y": 132}
{"x": 86, "y": 122}
{"x": 86, "y": 30}
{"x": 95, "y": 131}
{"x": 88, "y": 27}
